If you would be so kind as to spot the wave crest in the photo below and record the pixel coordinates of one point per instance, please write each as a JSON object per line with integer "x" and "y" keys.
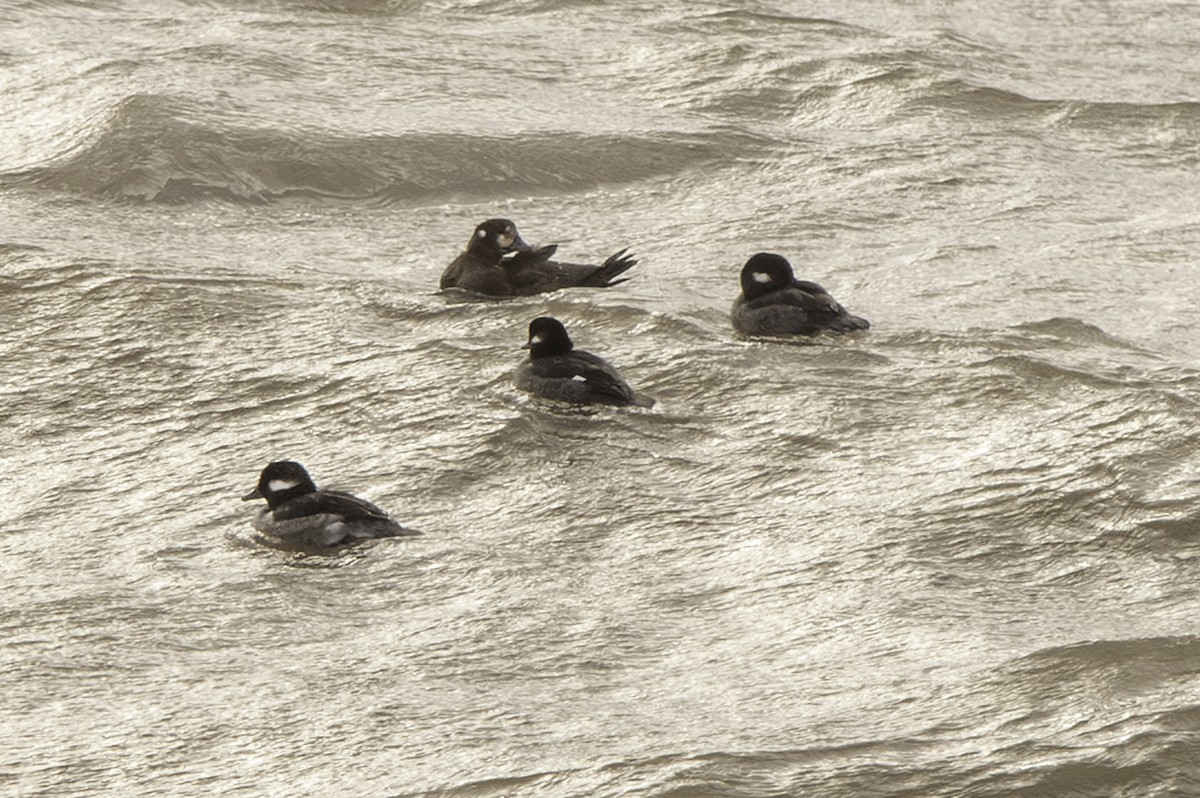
{"x": 156, "y": 149}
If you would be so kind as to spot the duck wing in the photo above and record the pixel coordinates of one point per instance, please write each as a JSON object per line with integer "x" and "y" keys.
{"x": 530, "y": 258}
{"x": 329, "y": 503}
{"x": 589, "y": 370}
{"x": 821, "y": 308}
{"x": 602, "y": 373}
{"x": 534, "y": 272}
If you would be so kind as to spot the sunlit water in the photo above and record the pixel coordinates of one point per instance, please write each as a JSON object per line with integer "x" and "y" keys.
{"x": 953, "y": 556}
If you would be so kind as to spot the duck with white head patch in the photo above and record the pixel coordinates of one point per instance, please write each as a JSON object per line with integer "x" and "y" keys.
{"x": 774, "y": 302}
{"x": 498, "y": 262}
{"x": 557, "y": 370}
{"x": 298, "y": 513}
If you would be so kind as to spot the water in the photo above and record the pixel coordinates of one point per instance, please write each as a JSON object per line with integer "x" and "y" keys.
{"x": 954, "y": 556}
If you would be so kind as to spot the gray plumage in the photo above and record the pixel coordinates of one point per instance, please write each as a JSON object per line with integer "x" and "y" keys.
{"x": 298, "y": 513}
{"x": 556, "y": 370}
{"x": 774, "y": 302}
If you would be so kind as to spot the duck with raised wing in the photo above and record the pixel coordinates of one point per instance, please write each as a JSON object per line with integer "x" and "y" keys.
{"x": 498, "y": 262}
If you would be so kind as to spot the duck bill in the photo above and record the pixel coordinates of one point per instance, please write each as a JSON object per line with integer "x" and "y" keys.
{"x": 517, "y": 245}
{"x": 252, "y": 495}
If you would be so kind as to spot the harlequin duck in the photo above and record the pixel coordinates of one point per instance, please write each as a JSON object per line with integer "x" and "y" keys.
{"x": 497, "y": 262}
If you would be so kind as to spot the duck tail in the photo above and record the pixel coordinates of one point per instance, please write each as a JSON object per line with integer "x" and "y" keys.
{"x": 641, "y": 400}
{"x": 617, "y": 263}
{"x": 848, "y": 323}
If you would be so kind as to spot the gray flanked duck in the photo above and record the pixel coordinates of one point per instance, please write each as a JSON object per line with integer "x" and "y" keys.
{"x": 497, "y": 262}
{"x": 774, "y": 302}
{"x": 298, "y": 513}
{"x": 557, "y": 370}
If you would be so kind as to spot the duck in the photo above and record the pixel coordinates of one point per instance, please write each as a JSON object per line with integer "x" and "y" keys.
{"x": 298, "y": 513}
{"x": 773, "y": 302}
{"x": 557, "y": 370}
{"x": 498, "y": 262}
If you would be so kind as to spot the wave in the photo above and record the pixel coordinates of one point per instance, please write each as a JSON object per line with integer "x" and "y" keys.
{"x": 814, "y": 72}
{"x": 1131, "y": 764}
{"x": 1142, "y": 132}
{"x": 982, "y": 100}
{"x": 392, "y": 8}
{"x": 362, "y": 7}
{"x": 744, "y": 20}
{"x": 1125, "y": 660}
{"x": 154, "y": 148}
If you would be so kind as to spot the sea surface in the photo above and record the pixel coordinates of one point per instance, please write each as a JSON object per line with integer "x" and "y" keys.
{"x": 956, "y": 556}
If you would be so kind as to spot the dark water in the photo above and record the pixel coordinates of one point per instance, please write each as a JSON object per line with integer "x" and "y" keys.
{"x": 954, "y": 556}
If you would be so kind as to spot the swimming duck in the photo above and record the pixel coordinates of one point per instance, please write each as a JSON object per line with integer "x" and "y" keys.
{"x": 297, "y": 512}
{"x": 498, "y": 262}
{"x": 557, "y": 370}
{"x": 774, "y": 302}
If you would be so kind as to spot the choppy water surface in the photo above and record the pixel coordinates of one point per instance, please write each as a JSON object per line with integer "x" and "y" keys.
{"x": 954, "y": 556}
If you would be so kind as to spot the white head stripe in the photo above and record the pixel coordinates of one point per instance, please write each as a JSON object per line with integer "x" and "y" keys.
{"x": 762, "y": 277}
{"x": 579, "y": 378}
{"x": 280, "y": 485}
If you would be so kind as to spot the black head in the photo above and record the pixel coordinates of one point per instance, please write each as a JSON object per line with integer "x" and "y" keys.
{"x": 280, "y": 481}
{"x": 764, "y": 273}
{"x": 547, "y": 337}
{"x": 497, "y": 236}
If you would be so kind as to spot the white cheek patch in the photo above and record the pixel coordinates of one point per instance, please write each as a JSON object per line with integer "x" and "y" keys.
{"x": 280, "y": 485}
{"x": 537, "y": 339}
{"x": 579, "y": 378}
{"x": 762, "y": 277}
{"x": 506, "y": 240}
{"x": 481, "y": 233}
